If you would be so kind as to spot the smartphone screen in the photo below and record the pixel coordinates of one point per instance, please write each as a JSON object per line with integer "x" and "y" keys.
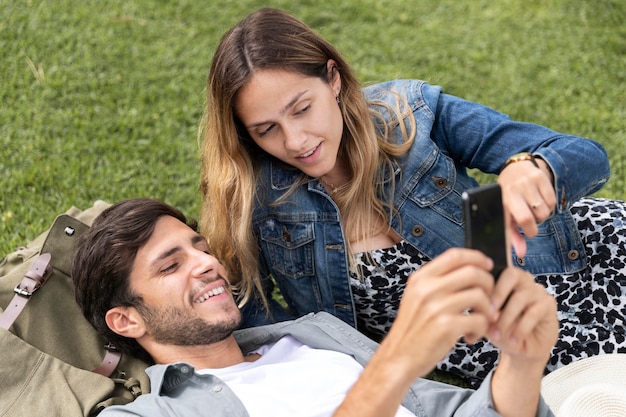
{"x": 484, "y": 224}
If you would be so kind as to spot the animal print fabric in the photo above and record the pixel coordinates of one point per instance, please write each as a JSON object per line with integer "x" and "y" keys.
{"x": 591, "y": 303}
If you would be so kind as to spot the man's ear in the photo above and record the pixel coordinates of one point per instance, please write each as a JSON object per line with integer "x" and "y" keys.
{"x": 126, "y": 322}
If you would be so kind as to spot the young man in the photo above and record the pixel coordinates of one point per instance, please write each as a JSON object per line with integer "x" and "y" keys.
{"x": 146, "y": 280}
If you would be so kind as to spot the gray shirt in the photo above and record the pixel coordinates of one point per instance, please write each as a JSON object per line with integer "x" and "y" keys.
{"x": 177, "y": 390}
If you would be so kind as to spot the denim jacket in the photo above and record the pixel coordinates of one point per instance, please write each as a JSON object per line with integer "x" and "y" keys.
{"x": 177, "y": 390}
{"x": 302, "y": 241}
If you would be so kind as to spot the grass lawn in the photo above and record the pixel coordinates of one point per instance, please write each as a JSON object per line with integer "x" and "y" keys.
{"x": 101, "y": 99}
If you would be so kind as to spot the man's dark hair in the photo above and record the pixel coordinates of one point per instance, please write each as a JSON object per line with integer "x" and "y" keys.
{"x": 103, "y": 261}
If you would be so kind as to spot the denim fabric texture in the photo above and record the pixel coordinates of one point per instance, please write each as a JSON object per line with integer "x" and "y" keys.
{"x": 302, "y": 241}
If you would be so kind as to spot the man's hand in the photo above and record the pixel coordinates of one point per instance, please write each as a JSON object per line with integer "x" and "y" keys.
{"x": 526, "y": 324}
{"x": 446, "y": 299}
{"x": 455, "y": 296}
{"x": 526, "y": 328}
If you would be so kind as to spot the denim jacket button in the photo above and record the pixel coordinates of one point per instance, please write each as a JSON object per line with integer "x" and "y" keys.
{"x": 521, "y": 261}
{"x": 440, "y": 182}
{"x": 573, "y": 255}
{"x": 417, "y": 230}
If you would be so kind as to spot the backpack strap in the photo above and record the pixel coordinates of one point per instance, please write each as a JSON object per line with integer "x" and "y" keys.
{"x": 110, "y": 361}
{"x": 34, "y": 278}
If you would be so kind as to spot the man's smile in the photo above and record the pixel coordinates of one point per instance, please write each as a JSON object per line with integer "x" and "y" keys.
{"x": 211, "y": 293}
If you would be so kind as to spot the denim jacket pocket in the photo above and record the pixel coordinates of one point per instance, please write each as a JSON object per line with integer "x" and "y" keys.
{"x": 289, "y": 248}
{"x": 439, "y": 187}
{"x": 556, "y": 249}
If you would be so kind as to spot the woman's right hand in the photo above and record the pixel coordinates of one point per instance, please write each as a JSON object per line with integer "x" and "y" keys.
{"x": 528, "y": 197}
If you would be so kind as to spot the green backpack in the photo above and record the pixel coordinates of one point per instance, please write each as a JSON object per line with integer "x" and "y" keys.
{"x": 52, "y": 361}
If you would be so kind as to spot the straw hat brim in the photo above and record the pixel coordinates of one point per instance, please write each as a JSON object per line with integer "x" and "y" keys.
{"x": 589, "y": 387}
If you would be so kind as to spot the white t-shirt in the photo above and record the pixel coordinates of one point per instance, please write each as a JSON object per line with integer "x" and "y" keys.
{"x": 291, "y": 379}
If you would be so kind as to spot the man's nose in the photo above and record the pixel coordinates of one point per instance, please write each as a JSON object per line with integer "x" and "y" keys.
{"x": 205, "y": 265}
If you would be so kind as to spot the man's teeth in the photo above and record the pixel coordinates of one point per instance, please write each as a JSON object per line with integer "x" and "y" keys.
{"x": 209, "y": 294}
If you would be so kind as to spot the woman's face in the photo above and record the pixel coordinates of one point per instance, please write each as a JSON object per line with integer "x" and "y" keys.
{"x": 294, "y": 118}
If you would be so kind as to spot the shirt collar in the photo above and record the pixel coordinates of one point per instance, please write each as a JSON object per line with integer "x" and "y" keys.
{"x": 165, "y": 378}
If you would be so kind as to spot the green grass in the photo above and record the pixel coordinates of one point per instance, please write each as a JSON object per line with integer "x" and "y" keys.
{"x": 101, "y": 99}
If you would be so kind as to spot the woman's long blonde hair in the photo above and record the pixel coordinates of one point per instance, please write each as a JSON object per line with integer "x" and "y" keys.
{"x": 273, "y": 39}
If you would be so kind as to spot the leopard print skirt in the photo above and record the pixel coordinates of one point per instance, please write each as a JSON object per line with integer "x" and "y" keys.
{"x": 591, "y": 303}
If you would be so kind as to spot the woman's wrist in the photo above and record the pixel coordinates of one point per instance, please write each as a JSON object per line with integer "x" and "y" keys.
{"x": 543, "y": 165}
{"x": 518, "y": 157}
{"x": 536, "y": 160}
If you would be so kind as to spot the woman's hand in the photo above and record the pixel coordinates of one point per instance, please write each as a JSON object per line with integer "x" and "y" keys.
{"x": 528, "y": 197}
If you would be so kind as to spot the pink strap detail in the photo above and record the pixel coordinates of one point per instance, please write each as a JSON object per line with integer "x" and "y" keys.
{"x": 34, "y": 278}
{"x": 109, "y": 362}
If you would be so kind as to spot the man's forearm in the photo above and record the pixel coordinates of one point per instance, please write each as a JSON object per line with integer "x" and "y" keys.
{"x": 380, "y": 389}
{"x": 515, "y": 387}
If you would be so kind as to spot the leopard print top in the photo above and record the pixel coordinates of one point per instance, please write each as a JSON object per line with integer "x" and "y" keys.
{"x": 377, "y": 292}
{"x": 591, "y": 303}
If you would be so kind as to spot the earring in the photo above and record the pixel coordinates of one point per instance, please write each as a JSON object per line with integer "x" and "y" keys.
{"x": 338, "y": 100}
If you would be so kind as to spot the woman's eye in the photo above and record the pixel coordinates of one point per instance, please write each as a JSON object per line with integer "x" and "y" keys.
{"x": 266, "y": 131}
{"x": 304, "y": 109}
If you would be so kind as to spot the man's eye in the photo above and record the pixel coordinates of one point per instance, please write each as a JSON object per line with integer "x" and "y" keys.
{"x": 169, "y": 268}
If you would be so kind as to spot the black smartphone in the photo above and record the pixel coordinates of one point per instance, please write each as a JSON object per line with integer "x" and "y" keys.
{"x": 484, "y": 224}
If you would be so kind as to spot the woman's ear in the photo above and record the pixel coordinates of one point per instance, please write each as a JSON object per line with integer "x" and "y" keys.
{"x": 126, "y": 322}
{"x": 333, "y": 75}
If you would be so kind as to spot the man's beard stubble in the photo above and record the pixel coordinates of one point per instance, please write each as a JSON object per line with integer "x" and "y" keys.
{"x": 175, "y": 326}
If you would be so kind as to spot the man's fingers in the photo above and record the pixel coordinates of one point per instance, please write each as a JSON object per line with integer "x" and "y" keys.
{"x": 453, "y": 259}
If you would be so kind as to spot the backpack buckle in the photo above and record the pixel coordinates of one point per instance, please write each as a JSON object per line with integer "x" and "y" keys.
{"x": 24, "y": 292}
{"x": 111, "y": 347}
{"x": 35, "y": 277}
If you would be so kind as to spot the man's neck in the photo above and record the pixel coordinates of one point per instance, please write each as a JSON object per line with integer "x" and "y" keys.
{"x": 216, "y": 355}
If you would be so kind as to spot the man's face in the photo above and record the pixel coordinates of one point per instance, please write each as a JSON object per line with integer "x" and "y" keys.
{"x": 187, "y": 300}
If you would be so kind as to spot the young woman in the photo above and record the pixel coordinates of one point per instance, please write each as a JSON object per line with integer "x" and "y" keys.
{"x": 337, "y": 193}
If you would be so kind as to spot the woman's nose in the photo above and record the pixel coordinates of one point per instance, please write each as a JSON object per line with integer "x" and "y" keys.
{"x": 294, "y": 139}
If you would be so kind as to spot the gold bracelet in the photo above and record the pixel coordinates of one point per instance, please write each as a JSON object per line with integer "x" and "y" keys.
{"x": 522, "y": 156}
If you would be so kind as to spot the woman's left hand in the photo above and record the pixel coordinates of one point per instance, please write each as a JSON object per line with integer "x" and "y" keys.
{"x": 528, "y": 197}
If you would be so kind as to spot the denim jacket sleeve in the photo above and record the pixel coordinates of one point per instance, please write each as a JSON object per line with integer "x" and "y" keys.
{"x": 480, "y": 137}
